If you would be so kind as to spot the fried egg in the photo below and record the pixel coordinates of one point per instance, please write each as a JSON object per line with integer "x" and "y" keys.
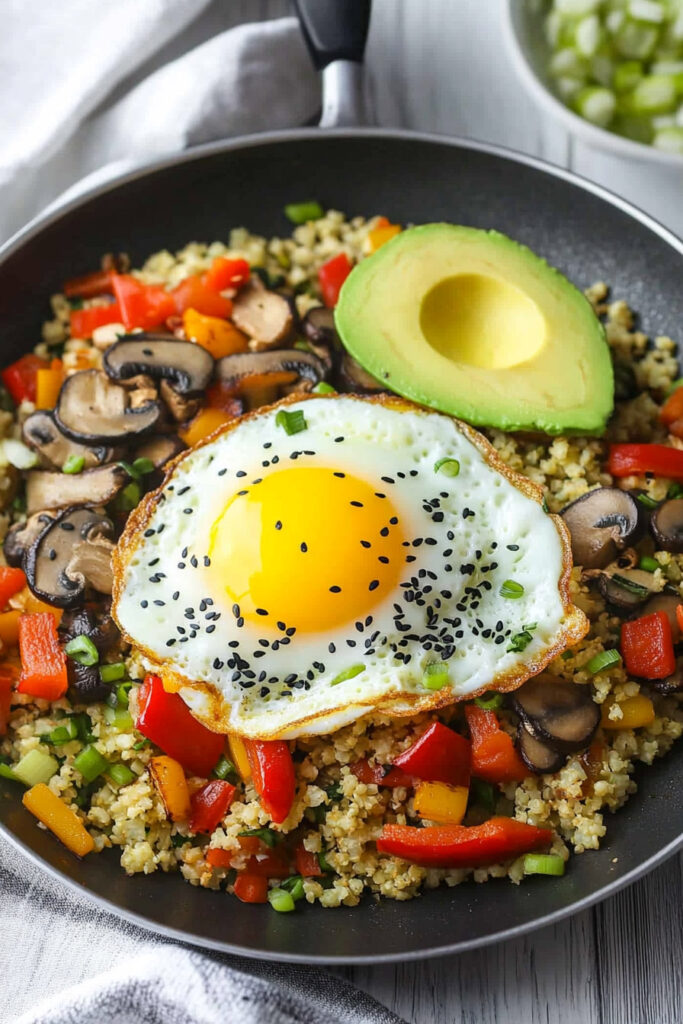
{"x": 378, "y": 556}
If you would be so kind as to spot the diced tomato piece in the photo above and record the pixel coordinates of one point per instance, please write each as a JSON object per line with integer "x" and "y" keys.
{"x": 381, "y": 775}
{"x": 20, "y": 377}
{"x": 307, "y": 863}
{"x": 440, "y": 755}
{"x": 225, "y": 273}
{"x": 210, "y": 805}
{"x": 494, "y": 757}
{"x": 251, "y": 888}
{"x": 84, "y": 322}
{"x": 165, "y": 719}
{"x": 11, "y": 582}
{"x": 647, "y": 646}
{"x": 331, "y": 277}
{"x": 43, "y": 662}
{"x": 89, "y": 285}
{"x": 273, "y": 775}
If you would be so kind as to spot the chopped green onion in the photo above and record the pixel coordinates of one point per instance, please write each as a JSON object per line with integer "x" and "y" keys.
{"x": 113, "y": 671}
{"x": 36, "y": 766}
{"x": 669, "y": 139}
{"x": 633, "y": 588}
{"x": 603, "y": 660}
{"x": 281, "y": 900}
{"x": 627, "y": 75}
{"x": 140, "y": 744}
{"x": 348, "y": 673}
{"x": 266, "y": 835}
{"x": 127, "y": 499}
{"x": 82, "y": 650}
{"x": 294, "y": 885}
{"x": 490, "y": 702}
{"x": 61, "y": 734}
{"x": 646, "y": 501}
{"x": 180, "y": 840}
{"x": 301, "y": 213}
{"x": 7, "y": 773}
{"x": 675, "y": 491}
{"x": 435, "y": 675}
{"x": 120, "y": 719}
{"x": 291, "y": 422}
{"x": 323, "y": 388}
{"x": 223, "y": 768}
{"x": 90, "y": 763}
{"x": 83, "y": 726}
{"x": 120, "y": 774}
{"x": 648, "y": 564}
{"x": 543, "y": 864}
{"x": 483, "y": 793}
{"x": 511, "y": 589}
{"x": 449, "y": 467}
{"x": 143, "y": 466}
{"x": 334, "y": 792}
{"x": 566, "y": 655}
{"x": 520, "y": 641}
{"x": 596, "y": 104}
{"x": 324, "y": 862}
{"x": 74, "y": 464}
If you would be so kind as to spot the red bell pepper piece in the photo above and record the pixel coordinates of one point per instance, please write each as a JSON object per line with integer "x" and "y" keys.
{"x": 440, "y": 755}
{"x": 220, "y": 396}
{"x": 225, "y": 273}
{"x": 210, "y": 805}
{"x": 7, "y": 680}
{"x": 331, "y": 277}
{"x": 20, "y": 377}
{"x": 88, "y": 286}
{"x": 270, "y": 864}
{"x": 461, "y": 846}
{"x": 307, "y": 863}
{"x": 630, "y": 459}
{"x": 679, "y": 616}
{"x": 43, "y": 662}
{"x": 142, "y": 305}
{"x": 379, "y": 775}
{"x": 218, "y": 858}
{"x": 494, "y": 757}
{"x": 251, "y": 888}
{"x": 194, "y": 293}
{"x": 272, "y": 772}
{"x": 11, "y": 582}
{"x": 647, "y": 646}
{"x": 83, "y": 322}
{"x": 165, "y": 719}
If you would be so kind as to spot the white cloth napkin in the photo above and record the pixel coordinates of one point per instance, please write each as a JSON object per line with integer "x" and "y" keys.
{"x": 79, "y": 101}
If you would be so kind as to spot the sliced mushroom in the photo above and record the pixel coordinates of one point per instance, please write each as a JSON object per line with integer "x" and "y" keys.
{"x": 601, "y": 523}
{"x": 262, "y": 314}
{"x": 561, "y": 714}
{"x": 539, "y": 757}
{"x": 72, "y": 553}
{"x": 159, "y": 449}
{"x": 45, "y": 490}
{"x": 354, "y": 378}
{"x": 246, "y": 370}
{"x": 93, "y": 410}
{"x": 20, "y": 536}
{"x": 666, "y": 524}
{"x": 672, "y": 683}
{"x": 319, "y": 327}
{"x": 181, "y": 407}
{"x": 627, "y": 589}
{"x": 85, "y": 679}
{"x": 43, "y": 435}
{"x": 666, "y": 603}
{"x": 187, "y": 367}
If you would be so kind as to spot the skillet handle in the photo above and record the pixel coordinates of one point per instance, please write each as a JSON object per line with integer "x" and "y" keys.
{"x": 336, "y": 32}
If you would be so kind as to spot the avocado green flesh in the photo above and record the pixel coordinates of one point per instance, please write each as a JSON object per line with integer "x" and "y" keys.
{"x": 474, "y": 324}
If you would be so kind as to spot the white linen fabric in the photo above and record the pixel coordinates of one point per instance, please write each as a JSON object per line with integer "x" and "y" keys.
{"x": 76, "y": 105}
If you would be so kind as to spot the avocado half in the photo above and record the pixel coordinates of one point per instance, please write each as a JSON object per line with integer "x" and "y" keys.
{"x": 474, "y": 324}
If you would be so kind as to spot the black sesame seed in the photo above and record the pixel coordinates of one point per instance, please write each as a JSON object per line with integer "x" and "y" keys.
{"x": 149, "y": 533}
{"x": 160, "y": 604}
{"x": 291, "y": 631}
{"x": 512, "y": 547}
{"x": 340, "y": 475}
{"x": 365, "y": 544}
{"x": 356, "y": 504}
{"x": 304, "y": 547}
{"x": 144, "y": 604}
{"x": 239, "y": 622}
{"x": 378, "y": 494}
{"x": 338, "y": 440}
{"x": 188, "y": 511}
{"x": 335, "y": 590}
{"x": 331, "y": 648}
{"x": 278, "y": 525}
{"x": 169, "y": 643}
{"x": 183, "y": 490}
{"x": 373, "y": 585}
{"x": 384, "y": 532}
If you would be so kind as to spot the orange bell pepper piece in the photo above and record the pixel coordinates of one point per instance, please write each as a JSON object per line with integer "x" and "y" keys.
{"x": 43, "y": 662}
{"x": 219, "y": 337}
{"x": 60, "y": 819}
{"x": 9, "y": 628}
{"x": 381, "y": 234}
{"x": 169, "y": 779}
{"x": 11, "y": 582}
{"x": 494, "y": 757}
{"x": 673, "y": 407}
{"x": 203, "y": 425}
{"x": 238, "y": 753}
{"x": 637, "y": 712}
{"x": 48, "y": 384}
{"x": 441, "y": 802}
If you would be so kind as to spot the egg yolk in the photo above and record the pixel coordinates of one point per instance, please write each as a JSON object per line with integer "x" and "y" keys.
{"x": 310, "y": 547}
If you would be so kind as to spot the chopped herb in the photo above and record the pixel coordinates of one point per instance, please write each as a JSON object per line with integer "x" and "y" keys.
{"x": 324, "y": 862}
{"x": 292, "y": 422}
{"x": 302, "y": 345}
{"x": 82, "y": 650}
{"x": 7, "y": 773}
{"x": 113, "y": 671}
{"x": 348, "y": 673}
{"x": 120, "y": 774}
{"x": 90, "y": 763}
{"x": 294, "y": 885}
{"x": 648, "y": 564}
{"x": 140, "y": 744}
{"x": 449, "y": 467}
{"x": 301, "y": 213}
{"x": 128, "y": 498}
{"x": 266, "y": 835}
{"x": 83, "y": 726}
{"x": 119, "y": 719}
{"x": 543, "y": 864}
{"x": 281, "y": 900}
{"x": 544, "y": 505}
{"x": 435, "y": 675}
{"x": 74, "y": 464}
{"x": 142, "y": 466}
{"x": 511, "y": 589}
{"x": 520, "y": 641}
{"x": 223, "y": 768}
{"x": 602, "y": 661}
{"x": 61, "y": 734}
{"x": 323, "y": 388}
{"x": 566, "y": 655}
{"x": 646, "y": 501}
{"x": 674, "y": 385}
{"x": 675, "y": 491}
{"x": 178, "y": 840}
{"x": 334, "y": 792}
{"x": 490, "y": 701}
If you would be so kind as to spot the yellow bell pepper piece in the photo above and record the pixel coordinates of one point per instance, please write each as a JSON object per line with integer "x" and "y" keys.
{"x": 378, "y": 236}
{"x": 33, "y": 605}
{"x": 169, "y": 778}
{"x": 48, "y": 383}
{"x": 9, "y": 628}
{"x": 203, "y": 425}
{"x": 440, "y": 802}
{"x": 219, "y": 337}
{"x": 238, "y": 753}
{"x": 637, "y": 711}
{"x": 59, "y": 818}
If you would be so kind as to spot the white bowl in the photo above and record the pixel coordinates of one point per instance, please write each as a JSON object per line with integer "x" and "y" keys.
{"x": 530, "y": 52}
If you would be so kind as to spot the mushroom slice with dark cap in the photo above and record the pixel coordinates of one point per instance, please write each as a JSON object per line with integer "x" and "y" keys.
{"x": 187, "y": 367}
{"x": 85, "y": 679}
{"x": 93, "y": 410}
{"x": 539, "y": 757}
{"x": 672, "y": 683}
{"x": 45, "y": 490}
{"x": 72, "y": 554}
{"x": 666, "y": 524}
{"x": 601, "y": 523}
{"x": 559, "y": 713}
{"x": 263, "y": 315}
{"x": 354, "y": 378}
{"x": 159, "y": 449}
{"x": 42, "y": 434}
{"x": 246, "y": 370}
{"x": 627, "y": 589}
{"x": 20, "y": 536}
{"x": 666, "y": 603}
{"x": 319, "y": 327}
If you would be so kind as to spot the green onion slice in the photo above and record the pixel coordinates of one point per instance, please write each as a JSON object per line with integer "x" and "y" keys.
{"x": 36, "y": 766}
{"x": 90, "y": 763}
{"x": 112, "y": 672}
{"x": 281, "y": 900}
{"x": 223, "y": 768}
{"x": 348, "y": 673}
{"x": 323, "y": 388}
{"x": 511, "y": 589}
{"x": 7, "y": 773}
{"x": 301, "y": 213}
{"x": 143, "y": 466}
{"x": 119, "y": 719}
{"x": 435, "y": 675}
{"x": 292, "y": 422}
{"x": 648, "y": 564}
{"x": 294, "y": 885}
{"x": 490, "y": 701}
{"x": 543, "y": 864}
{"x": 603, "y": 660}
{"x": 449, "y": 467}
{"x": 120, "y": 774}
{"x": 483, "y": 793}
{"x": 647, "y": 501}
{"x": 324, "y": 862}
{"x": 82, "y": 650}
{"x": 266, "y": 835}
{"x": 74, "y": 464}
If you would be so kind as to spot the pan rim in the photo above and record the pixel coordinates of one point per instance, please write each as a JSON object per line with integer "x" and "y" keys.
{"x": 59, "y": 208}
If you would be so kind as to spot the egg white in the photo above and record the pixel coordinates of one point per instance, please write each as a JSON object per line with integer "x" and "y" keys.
{"x": 491, "y": 531}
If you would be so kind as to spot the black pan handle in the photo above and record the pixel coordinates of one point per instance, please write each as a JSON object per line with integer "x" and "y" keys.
{"x": 336, "y": 32}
